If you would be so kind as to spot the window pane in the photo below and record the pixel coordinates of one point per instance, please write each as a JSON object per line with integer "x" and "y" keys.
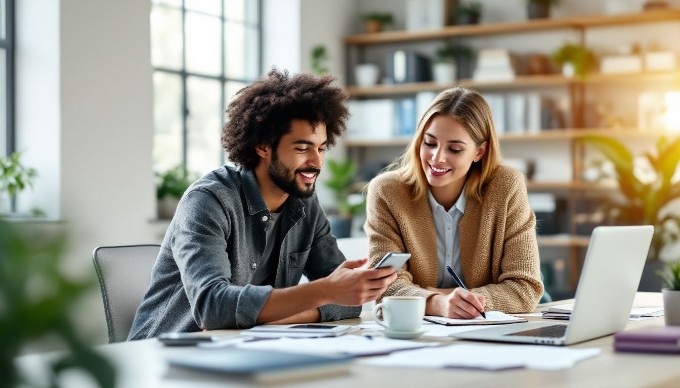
{"x": 231, "y": 88}
{"x": 167, "y": 111}
{"x": 203, "y": 44}
{"x": 212, "y": 7}
{"x": 3, "y": 103}
{"x": 204, "y": 124}
{"x": 235, "y": 9}
{"x": 166, "y": 38}
{"x": 174, "y": 3}
{"x": 242, "y": 54}
{"x": 3, "y": 19}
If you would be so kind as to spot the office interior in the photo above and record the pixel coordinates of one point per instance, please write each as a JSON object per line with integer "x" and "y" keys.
{"x": 84, "y": 108}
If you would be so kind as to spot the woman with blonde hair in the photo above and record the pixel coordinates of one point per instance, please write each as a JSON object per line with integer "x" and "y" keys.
{"x": 449, "y": 202}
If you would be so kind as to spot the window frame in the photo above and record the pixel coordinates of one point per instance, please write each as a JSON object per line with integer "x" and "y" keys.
{"x": 8, "y": 44}
{"x": 222, "y": 77}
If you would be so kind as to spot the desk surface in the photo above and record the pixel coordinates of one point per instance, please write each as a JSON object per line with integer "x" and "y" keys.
{"x": 141, "y": 364}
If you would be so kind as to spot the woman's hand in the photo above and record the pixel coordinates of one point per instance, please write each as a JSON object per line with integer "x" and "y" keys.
{"x": 460, "y": 303}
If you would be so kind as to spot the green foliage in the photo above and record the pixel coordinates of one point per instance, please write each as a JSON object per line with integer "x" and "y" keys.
{"x": 644, "y": 202}
{"x": 473, "y": 9}
{"x": 36, "y": 301}
{"x": 319, "y": 56}
{"x": 173, "y": 183}
{"x": 14, "y": 176}
{"x": 582, "y": 58}
{"x": 671, "y": 275}
{"x": 451, "y": 52}
{"x": 381, "y": 17}
{"x": 341, "y": 180}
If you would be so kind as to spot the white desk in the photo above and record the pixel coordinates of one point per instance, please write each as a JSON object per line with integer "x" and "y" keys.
{"x": 141, "y": 364}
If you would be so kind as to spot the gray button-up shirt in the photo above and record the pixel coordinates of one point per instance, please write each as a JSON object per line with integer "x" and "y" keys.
{"x": 448, "y": 238}
{"x": 202, "y": 276}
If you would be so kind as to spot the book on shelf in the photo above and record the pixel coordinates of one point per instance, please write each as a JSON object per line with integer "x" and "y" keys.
{"x": 655, "y": 339}
{"x": 261, "y": 366}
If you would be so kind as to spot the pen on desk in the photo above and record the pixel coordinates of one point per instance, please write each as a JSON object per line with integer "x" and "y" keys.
{"x": 459, "y": 283}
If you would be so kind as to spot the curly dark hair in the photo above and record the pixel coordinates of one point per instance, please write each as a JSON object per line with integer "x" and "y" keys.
{"x": 261, "y": 112}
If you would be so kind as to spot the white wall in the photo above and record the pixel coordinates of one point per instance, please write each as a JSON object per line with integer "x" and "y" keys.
{"x": 84, "y": 100}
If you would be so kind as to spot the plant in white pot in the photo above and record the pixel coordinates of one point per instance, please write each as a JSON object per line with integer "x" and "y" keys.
{"x": 171, "y": 186}
{"x": 341, "y": 182}
{"x": 448, "y": 58}
{"x": 671, "y": 292}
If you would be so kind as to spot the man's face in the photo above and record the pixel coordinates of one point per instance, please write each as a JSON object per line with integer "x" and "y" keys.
{"x": 297, "y": 161}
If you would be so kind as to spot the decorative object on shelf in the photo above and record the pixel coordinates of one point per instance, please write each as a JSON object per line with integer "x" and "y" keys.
{"x": 671, "y": 292}
{"x": 540, "y": 9}
{"x": 15, "y": 178}
{"x": 426, "y": 14}
{"x": 618, "y": 7}
{"x": 366, "y": 74}
{"x": 495, "y": 64}
{"x": 577, "y": 58}
{"x": 647, "y": 188}
{"x": 538, "y": 64}
{"x": 653, "y": 5}
{"x": 458, "y": 54}
{"x": 341, "y": 181}
{"x": 444, "y": 67}
{"x": 171, "y": 186}
{"x": 37, "y": 299}
{"x": 468, "y": 13}
{"x": 375, "y": 22}
{"x": 319, "y": 58}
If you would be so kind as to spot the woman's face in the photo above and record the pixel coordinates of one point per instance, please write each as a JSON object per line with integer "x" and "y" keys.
{"x": 447, "y": 152}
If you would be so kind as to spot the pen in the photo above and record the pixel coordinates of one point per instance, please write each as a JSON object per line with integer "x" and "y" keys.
{"x": 459, "y": 283}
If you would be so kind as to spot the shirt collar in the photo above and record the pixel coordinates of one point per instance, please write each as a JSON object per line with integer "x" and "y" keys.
{"x": 254, "y": 198}
{"x": 459, "y": 205}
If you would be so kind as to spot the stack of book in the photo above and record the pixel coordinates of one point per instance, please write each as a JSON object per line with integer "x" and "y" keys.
{"x": 563, "y": 311}
{"x": 495, "y": 65}
{"x": 664, "y": 339}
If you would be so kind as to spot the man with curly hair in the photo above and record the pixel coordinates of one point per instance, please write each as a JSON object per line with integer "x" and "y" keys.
{"x": 242, "y": 238}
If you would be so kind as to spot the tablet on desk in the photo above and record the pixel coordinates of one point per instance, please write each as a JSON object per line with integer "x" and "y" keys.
{"x": 301, "y": 330}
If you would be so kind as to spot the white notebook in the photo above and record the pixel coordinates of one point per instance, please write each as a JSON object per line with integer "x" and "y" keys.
{"x": 492, "y": 318}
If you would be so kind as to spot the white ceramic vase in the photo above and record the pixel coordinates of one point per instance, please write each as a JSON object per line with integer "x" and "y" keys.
{"x": 444, "y": 72}
{"x": 366, "y": 74}
{"x": 671, "y": 306}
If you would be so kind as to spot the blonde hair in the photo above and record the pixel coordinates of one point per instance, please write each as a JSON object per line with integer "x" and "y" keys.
{"x": 470, "y": 109}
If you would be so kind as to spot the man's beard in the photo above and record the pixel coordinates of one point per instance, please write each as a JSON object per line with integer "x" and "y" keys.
{"x": 285, "y": 179}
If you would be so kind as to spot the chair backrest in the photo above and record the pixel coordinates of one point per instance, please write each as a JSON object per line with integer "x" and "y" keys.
{"x": 124, "y": 273}
{"x": 354, "y": 248}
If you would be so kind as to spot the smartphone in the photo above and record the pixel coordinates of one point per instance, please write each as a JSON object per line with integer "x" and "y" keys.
{"x": 183, "y": 339}
{"x": 394, "y": 260}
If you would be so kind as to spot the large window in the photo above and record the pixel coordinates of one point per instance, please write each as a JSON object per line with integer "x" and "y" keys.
{"x": 202, "y": 51}
{"x": 6, "y": 77}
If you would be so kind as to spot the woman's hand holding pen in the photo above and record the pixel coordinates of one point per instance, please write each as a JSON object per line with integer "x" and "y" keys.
{"x": 460, "y": 303}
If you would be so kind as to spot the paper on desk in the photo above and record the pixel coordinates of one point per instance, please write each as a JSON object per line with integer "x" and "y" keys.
{"x": 344, "y": 345}
{"x": 431, "y": 329}
{"x": 489, "y": 357}
{"x": 562, "y": 311}
{"x": 492, "y": 318}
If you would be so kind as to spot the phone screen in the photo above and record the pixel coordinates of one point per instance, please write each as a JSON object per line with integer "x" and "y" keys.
{"x": 312, "y": 326}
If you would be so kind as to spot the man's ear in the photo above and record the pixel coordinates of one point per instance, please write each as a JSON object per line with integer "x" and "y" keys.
{"x": 264, "y": 151}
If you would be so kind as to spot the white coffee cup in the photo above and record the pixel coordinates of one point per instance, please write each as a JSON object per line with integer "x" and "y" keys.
{"x": 401, "y": 313}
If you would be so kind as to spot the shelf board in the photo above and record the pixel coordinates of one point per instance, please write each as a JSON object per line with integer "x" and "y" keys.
{"x": 520, "y": 81}
{"x": 513, "y": 27}
{"x": 564, "y": 240}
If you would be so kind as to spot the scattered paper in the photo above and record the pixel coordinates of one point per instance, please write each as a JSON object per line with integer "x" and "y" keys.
{"x": 488, "y": 357}
{"x": 345, "y": 345}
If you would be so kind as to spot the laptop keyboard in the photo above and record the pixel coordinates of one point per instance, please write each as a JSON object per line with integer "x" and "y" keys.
{"x": 554, "y": 331}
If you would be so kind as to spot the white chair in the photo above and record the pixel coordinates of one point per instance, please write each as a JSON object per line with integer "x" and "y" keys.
{"x": 124, "y": 273}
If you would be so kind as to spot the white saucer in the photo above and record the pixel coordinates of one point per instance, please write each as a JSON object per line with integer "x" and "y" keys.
{"x": 403, "y": 334}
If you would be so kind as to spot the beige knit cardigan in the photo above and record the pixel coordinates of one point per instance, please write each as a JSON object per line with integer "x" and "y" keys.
{"x": 498, "y": 248}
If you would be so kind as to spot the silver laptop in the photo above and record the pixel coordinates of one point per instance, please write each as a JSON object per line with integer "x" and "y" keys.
{"x": 609, "y": 280}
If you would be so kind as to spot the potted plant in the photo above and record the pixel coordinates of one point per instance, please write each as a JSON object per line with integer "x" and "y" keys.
{"x": 340, "y": 182}
{"x": 14, "y": 178}
{"x": 643, "y": 200}
{"x": 671, "y": 292}
{"x": 171, "y": 186}
{"x": 375, "y": 22}
{"x": 468, "y": 13}
{"x": 319, "y": 57}
{"x": 37, "y": 299}
{"x": 574, "y": 59}
{"x": 448, "y": 60}
{"x": 540, "y": 9}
